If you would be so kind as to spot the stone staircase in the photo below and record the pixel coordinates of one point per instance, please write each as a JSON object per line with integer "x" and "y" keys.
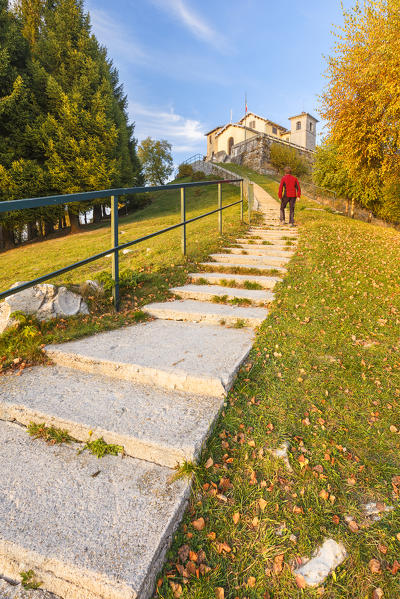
{"x": 99, "y": 529}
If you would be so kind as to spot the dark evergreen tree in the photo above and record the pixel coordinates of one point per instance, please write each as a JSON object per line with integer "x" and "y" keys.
{"x": 20, "y": 172}
{"x": 63, "y": 114}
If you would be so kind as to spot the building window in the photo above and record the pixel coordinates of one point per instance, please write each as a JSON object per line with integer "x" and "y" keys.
{"x": 252, "y": 124}
{"x": 298, "y": 125}
{"x": 310, "y": 126}
{"x": 274, "y": 130}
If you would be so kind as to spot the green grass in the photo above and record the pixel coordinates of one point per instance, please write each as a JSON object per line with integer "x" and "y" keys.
{"x": 324, "y": 375}
{"x": 242, "y": 270}
{"x": 28, "y": 580}
{"x": 100, "y": 448}
{"x": 50, "y": 434}
{"x": 252, "y": 285}
{"x": 147, "y": 272}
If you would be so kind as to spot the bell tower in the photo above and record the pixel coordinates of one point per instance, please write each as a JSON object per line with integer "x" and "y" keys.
{"x": 303, "y": 130}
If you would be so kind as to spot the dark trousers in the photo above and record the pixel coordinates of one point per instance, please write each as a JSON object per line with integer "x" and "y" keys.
{"x": 284, "y": 202}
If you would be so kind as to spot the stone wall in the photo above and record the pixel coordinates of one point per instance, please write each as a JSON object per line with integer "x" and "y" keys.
{"x": 255, "y": 153}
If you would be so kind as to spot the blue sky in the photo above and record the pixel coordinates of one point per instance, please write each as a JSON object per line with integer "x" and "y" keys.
{"x": 185, "y": 64}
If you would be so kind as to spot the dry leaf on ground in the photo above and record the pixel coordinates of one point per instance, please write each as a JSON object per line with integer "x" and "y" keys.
{"x": 278, "y": 563}
{"x": 374, "y": 565}
{"x": 199, "y": 524}
{"x": 236, "y": 517}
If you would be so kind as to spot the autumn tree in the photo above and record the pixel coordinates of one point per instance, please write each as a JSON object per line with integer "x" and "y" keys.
{"x": 362, "y": 101}
{"x": 156, "y": 159}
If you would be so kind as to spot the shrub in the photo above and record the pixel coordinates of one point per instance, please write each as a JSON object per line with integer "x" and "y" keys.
{"x": 282, "y": 156}
{"x": 199, "y": 176}
{"x": 185, "y": 170}
{"x": 128, "y": 279}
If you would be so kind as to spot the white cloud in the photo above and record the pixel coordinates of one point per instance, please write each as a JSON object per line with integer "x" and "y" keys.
{"x": 185, "y": 134}
{"x": 194, "y": 22}
{"x": 114, "y": 36}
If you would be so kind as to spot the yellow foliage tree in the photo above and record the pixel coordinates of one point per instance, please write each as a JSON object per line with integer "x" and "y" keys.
{"x": 361, "y": 103}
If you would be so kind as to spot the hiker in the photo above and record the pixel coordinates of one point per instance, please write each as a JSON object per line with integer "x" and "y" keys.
{"x": 289, "y": 191}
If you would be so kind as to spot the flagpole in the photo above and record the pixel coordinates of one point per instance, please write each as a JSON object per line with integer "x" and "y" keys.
{"x": 245, "y": 114}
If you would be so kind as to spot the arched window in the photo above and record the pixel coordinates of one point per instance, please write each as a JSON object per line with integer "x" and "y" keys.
{"x": 298, "y": 125}
{"x": 230, "y": 145}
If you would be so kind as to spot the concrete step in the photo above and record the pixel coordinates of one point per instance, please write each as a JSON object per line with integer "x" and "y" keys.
{"x": 246, "y": 259}
{"x": 207, "y": 292}
{"x": 279, "y": 244}
{"x": 174, "y": 355}
{"x": 151, "y": 423}
{"x": 273, "y": 233}
{"x": 207, "y": 312}
{"x": 218, "y": 279}
{"x": 88, "y": 528}
{"x": 261, "y": 250}
{"x": 17, "y": 591}
{"x": 242, "y": 266}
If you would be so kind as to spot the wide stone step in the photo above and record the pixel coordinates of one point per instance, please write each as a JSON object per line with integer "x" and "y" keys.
{"x": 207, "y": 292}
{"x": 219, "y": 279}
{"x": 207, "y": 312}
{"x": 275, "y": 243}
{"x": 175, "y": 355}
{"x": 242, "y": 266}
{"x": 273, "y": 233}
{"x": 237, "y": 258}
{"x": 88, "y": 528}
{"x": 263, "y": 250}
{"x": 151, "y": 423}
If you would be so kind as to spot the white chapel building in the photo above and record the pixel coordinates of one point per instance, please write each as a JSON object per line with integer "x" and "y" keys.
{"x": 302, "y": 133}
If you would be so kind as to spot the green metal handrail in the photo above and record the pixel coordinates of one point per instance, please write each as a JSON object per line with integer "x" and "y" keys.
{"x": 114, "y": 194}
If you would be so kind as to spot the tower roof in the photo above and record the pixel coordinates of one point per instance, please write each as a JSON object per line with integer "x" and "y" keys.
{"x": 304, "y": 114}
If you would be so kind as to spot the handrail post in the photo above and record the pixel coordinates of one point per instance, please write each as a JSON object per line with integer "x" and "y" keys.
{"x": 183, "y": 219}
{"x": 241, "y": 200}
{"x": 115, "y": 255}
{"x": 220, "y": 206}
{"x": 250, "y": 197}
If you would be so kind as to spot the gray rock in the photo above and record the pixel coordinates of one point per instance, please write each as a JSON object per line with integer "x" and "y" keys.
{"x": 90, "y": 286}
{"x": 328, "y": 557}
{"x": 67, "y": 303}
{"x": 282, "y": 452}
{"x": 44, "y": 301}
{"x": 376, "y": 510}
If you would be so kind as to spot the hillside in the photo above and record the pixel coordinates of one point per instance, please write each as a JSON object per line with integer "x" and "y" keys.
{"x": 324, "y": 377}
{"x": 147, "y": 270}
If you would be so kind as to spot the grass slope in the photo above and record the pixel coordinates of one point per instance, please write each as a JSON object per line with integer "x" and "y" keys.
{"x": 151, "y": 268}
{"x": 324, "y": 375}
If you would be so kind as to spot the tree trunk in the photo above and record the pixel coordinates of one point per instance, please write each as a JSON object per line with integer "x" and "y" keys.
{"x": 32, "y": 231}
{"x": 75, "y": 224}
{"x": 97, "y": 213}
{"x": 8, "y": 238}
{"x": 48, "y": 227}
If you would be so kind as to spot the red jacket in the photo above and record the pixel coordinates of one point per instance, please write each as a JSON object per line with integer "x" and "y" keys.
{"x": 291, "y": 185}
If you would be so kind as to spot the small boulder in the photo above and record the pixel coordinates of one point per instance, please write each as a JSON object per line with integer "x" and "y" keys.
{"x": 326, "y": 559}
{"x": 68, "y": 303}
{"x": 44, "y": 301}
